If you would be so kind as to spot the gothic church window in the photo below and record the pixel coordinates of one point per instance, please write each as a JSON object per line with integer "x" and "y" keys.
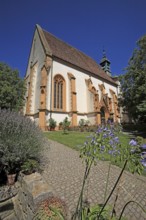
{"x": 59, "y": 91}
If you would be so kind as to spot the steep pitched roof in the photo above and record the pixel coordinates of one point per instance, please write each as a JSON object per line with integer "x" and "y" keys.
{"x": 58, "y": 48}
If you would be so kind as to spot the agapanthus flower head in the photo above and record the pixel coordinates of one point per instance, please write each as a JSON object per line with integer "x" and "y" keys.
{"x": 133, "y": 142}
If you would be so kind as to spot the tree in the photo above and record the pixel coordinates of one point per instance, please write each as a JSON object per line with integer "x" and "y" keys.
{"x": 133, "y": 83}
{"x": 12, "y": 88}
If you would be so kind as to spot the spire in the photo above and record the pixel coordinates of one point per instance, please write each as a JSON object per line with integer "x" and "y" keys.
{"x": 104, "y": 53}
{"x": 105, "y": 63}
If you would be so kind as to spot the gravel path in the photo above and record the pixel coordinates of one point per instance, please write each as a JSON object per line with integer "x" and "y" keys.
{"x": 64, "y": 170}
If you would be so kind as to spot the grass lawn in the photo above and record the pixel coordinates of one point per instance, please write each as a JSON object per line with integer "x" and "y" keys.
{"x": 74, "y": 139}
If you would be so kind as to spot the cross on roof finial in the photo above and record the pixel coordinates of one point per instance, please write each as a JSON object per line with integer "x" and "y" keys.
{"x": 104, "y": 53}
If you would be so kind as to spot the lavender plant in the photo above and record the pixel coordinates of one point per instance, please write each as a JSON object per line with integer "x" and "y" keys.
{"x": 20, "y": 140}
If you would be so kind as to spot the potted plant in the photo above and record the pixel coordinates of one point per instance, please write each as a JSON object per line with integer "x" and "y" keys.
{"x": 52, "y": 124}
{"x": 30, "y": 166}
{"x": 11, "y": 170}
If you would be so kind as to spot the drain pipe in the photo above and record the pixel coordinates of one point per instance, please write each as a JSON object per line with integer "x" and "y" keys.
{"x": 51, "y": 89}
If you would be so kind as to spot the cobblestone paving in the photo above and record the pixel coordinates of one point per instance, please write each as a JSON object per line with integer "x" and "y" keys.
{"x": 64, "y": 170}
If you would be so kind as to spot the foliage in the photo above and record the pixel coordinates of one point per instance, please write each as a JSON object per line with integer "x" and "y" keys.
{"x": 83, "y": 123}
{"x": 30, "y": 166}
{"x": 52, "y": 208}
{"x": 133, "y": 83}
{"x": 137, "y": 128}
{"x": 60, "y": 125}
{"x": 20, "y": 140}
{"x": 52, "y": 123}
{"x": 65, "y": 125}
{"x": 12, "y": 88}
{"x": 91, "y": 213}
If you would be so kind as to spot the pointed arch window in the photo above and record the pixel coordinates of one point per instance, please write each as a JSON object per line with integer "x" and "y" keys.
{"x": 59, "y": 93}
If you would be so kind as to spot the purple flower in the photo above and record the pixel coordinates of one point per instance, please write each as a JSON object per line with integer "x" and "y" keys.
{"x": 143, "y": 153}
{"x": 102, "y": 148}
{"x": 116, "y": 139}
{"x": 111, "y": 134}
{"x": 105, "y": 129}
{"x": 99, "y": 130}
{"x": 133, "y": 143}
{"x": 143, "y": 146}
{"x": 105, "y": 135}
{"x": 143, "y": 161}
{"x": 111, "y": 142}
{"x": 111, "y": 151}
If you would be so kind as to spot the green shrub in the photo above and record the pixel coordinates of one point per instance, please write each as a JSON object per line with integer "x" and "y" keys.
{"x": 65, "y": 124}
{"x": 30, "y": 166}
{"x": 20, "y": 140}
{"x": 52, "y": 123}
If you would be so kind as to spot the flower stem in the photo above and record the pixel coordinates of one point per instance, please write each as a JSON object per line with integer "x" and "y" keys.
{"x": 78, "y": 211}
{"x": 98, "y": 217}
{"x": 127, "y": 205}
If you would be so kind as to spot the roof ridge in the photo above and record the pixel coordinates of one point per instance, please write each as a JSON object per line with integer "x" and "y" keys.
{"x": 71, "y": 54}
{"x": 78, "y": 50}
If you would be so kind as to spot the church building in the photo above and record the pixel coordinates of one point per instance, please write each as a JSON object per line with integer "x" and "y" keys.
{"x": 64, "y": 82}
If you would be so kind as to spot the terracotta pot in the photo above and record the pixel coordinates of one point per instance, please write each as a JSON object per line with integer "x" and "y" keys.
{"x": 11, "y": 179}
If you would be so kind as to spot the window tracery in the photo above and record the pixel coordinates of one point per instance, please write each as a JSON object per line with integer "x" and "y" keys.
{"x": 58, "y": 92}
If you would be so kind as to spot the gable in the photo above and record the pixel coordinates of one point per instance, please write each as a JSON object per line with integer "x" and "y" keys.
{"x": 36, "y": 53}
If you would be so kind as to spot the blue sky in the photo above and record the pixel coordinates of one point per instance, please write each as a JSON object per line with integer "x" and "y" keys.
{"x": 88, "y": 25}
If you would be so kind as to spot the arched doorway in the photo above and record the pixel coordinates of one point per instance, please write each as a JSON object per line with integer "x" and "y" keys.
{"x": 102, "y": 113}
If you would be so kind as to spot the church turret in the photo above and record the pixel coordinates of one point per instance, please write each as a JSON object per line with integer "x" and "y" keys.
{"x": 105, "y": 64}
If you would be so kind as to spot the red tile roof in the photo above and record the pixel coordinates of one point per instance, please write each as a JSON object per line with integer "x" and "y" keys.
{"x": 75, "y": 57}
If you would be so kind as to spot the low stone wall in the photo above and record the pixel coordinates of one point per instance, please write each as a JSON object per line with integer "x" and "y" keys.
{"x": 32, "y": 190}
